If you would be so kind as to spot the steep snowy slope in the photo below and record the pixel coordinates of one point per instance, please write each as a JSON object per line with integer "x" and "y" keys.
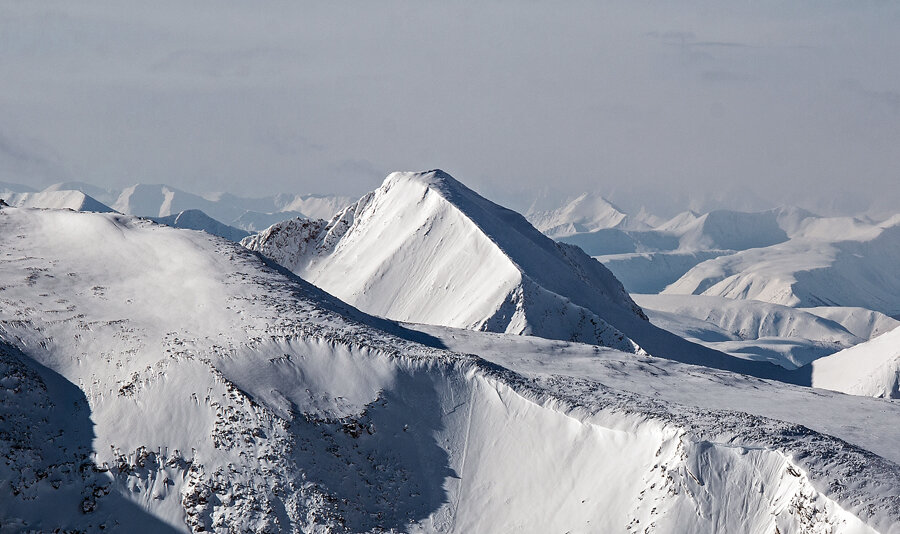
{"x": 425, "y": 248}
{"x": 807, "y": 272}
{"x": 749, "y": 329}
{"x": 61, "y": 199}
{"x": 197, "y": 220}
{"x": 198, "y": 385}
{"x": 870, "y": 368}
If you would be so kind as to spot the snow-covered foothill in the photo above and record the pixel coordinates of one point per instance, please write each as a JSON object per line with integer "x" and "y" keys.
{"x": 217, "y": 392}
{"x": 871, "y": 368}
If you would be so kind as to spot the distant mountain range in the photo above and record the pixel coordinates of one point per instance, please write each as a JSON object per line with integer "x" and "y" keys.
{"x": 220, "y": 214}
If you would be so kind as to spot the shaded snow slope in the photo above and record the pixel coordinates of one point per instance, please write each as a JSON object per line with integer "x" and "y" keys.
{"x": 749, "y": 329}
{"x": 806, "y": 272}
{"x": 61, "y": 199}
{"x": 197, "y": 220}
{"x": 223, "y": 393}
{"x": 870, "y": 368}
{"x": 425, "y": 248}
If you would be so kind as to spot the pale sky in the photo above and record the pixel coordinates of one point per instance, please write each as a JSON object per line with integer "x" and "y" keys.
{"x": 740, "y": 104}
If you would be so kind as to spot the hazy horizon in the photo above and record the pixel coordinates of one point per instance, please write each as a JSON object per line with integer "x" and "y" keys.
{"x": 667, "y": 106}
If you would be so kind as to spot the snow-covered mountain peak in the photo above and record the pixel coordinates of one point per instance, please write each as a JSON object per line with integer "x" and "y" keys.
{"x": 425, "y": 248}
{"x": 436, "y": 178}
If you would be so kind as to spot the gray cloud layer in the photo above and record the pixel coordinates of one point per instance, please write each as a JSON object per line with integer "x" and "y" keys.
{"x": 734, "y": 101}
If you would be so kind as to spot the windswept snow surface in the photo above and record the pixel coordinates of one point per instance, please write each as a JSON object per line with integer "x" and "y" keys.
{"x": 870, "y": 368}
{"x": 807, "y": 272}
{"x": 425, "y": 248}
{"x": 160, "y": 379}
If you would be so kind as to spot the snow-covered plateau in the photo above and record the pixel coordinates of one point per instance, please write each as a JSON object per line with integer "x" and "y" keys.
{"x": 159, "y": 379}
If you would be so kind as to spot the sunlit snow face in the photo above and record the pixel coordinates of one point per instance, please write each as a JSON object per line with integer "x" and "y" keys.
{"x": 650, "y": 101}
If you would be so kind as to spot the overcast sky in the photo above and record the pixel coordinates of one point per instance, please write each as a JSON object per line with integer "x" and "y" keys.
{"x": 741, "y": 103}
